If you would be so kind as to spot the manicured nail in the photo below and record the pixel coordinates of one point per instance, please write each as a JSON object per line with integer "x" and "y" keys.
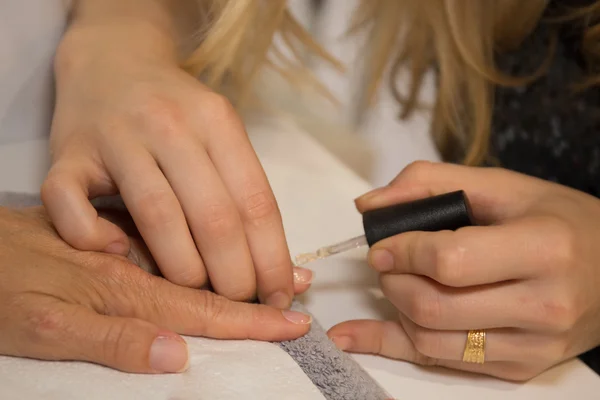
{"x": 381, "y": 260}
{"x": 169, "y": 354}
{"x": 366, "y": 196}
{"x": 279, "y": 300}
{"x": 297, "y": 317}
{"x": 302, "y": 276}
{"x": 117, "y": 248}
{"x": 342, "y": 342}
{"x": 371, "y": 194}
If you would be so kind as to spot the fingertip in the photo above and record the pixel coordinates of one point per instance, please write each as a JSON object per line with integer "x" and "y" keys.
{"x": 303, "y": 278}
{"x": 296, "y": 317}
{"x": 368, "y": 195}
{"x": 380, "y": 197}
{"x": 344, "y": 329}
{"x": 297, "y": 324}
{"x": 119, "y": 247}
{"x": 361, "y": 203}
{"x": 169, "y": 353}
{"x": 280, "y": 300}
{"x": 343, "y": 343}
{"x": 381, "y": 260}
{"x": 65, "y": 195}
{"x": 358, "y": 336}
{"x": 110, "y": 239}
{"x": 301, "y": 288}
{"x": 270, "y": 324}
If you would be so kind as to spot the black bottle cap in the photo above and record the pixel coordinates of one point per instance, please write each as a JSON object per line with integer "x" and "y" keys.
{"x": 448, "y": 211}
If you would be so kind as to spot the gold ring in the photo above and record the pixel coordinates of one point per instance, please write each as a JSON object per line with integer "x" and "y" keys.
{"x": 475, "y": 347}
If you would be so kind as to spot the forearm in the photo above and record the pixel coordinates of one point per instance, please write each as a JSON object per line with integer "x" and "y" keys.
{"x": 151, "y": 29}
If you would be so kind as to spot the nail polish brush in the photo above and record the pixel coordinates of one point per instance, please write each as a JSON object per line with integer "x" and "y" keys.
{"x": 449, "y": 211}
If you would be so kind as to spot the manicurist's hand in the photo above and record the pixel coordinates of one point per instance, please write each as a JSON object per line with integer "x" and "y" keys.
{"x": 128, "y": 120}
{"x": 58, "y": 303}
{"x": 527, "y": 275}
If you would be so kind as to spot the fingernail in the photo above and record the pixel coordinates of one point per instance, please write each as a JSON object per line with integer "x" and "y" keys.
{"x": 381, "y": 260}
{"x": 342, "y": 342}
{"x": 297, "y": 317}
{"x": 366, "y": 196}
{"x": 302, "y": 276}
{"x": 169, "y": 354}
{"x": 279, "y": 300}
{"x": 117, "y": 248}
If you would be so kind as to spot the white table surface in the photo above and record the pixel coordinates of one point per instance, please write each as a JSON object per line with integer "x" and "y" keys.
{"x": 315, "y": 193}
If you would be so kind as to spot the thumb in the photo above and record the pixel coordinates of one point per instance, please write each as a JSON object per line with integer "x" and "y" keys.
{"x": 495, "y": 194}
{"x": 68, "y": 332}
{"x": 385, "y": 338}
{"x": 65, "y": 194}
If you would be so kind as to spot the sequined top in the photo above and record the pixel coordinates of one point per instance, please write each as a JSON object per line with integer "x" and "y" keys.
{"x": 546, "y": 129}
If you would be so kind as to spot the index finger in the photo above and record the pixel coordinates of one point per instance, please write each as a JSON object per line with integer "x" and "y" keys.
{"x": 66, "y": 196}
{"x": 495, "y": 194}
{"x": 195, "y": 312}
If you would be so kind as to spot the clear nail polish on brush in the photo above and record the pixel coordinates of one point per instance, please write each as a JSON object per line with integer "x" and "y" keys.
{"x": 449, "y": 211}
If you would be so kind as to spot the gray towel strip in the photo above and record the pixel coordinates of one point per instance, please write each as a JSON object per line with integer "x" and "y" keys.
{"x": 337, "y": 375}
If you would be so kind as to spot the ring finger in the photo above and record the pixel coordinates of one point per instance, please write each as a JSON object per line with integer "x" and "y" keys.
{"x": 157, "y": 213}
{"x": 508, "y": 344}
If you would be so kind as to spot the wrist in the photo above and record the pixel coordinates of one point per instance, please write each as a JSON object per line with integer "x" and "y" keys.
{"x": 83, "y": 48}
{"x": 117, "y": 31}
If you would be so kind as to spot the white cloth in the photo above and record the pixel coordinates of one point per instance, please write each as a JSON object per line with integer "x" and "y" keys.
{"x": 220, "y": 370}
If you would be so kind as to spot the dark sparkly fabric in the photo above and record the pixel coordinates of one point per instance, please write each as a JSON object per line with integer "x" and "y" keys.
{"x": 544, "y": 129}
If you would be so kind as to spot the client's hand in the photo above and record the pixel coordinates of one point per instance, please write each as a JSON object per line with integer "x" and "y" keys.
{"x": 58, "y": 303}
{"x": 529, "y": 275}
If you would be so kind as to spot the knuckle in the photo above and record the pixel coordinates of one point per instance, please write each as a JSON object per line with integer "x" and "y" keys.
{"x": 156, "y": 209}
{"x": 119, "y": 340}
{"x": 565, "y": 251}
{"x": 214, "y": 309}
{"x": 416, "y": 170}
{"x": 259, "y": 316}
{"x": 115, "y": 275}
{"x": 45, "y": 323}
{"x": 218, "y": 107}
{"x": 448, "y": 264}
{"x": 427, "y": 343}
{"x": 259, "y": 207}
{"x": 53, "y": 187}
{"x": 560, "y": 313}
{"x": 162, "y": 116}
{"x": 425, "y": 310}
{"x": 219, "y": 220}
{"x": 560, "y": 245}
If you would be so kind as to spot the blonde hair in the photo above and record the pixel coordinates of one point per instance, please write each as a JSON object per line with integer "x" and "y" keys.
{"x": 460, "y": 38}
